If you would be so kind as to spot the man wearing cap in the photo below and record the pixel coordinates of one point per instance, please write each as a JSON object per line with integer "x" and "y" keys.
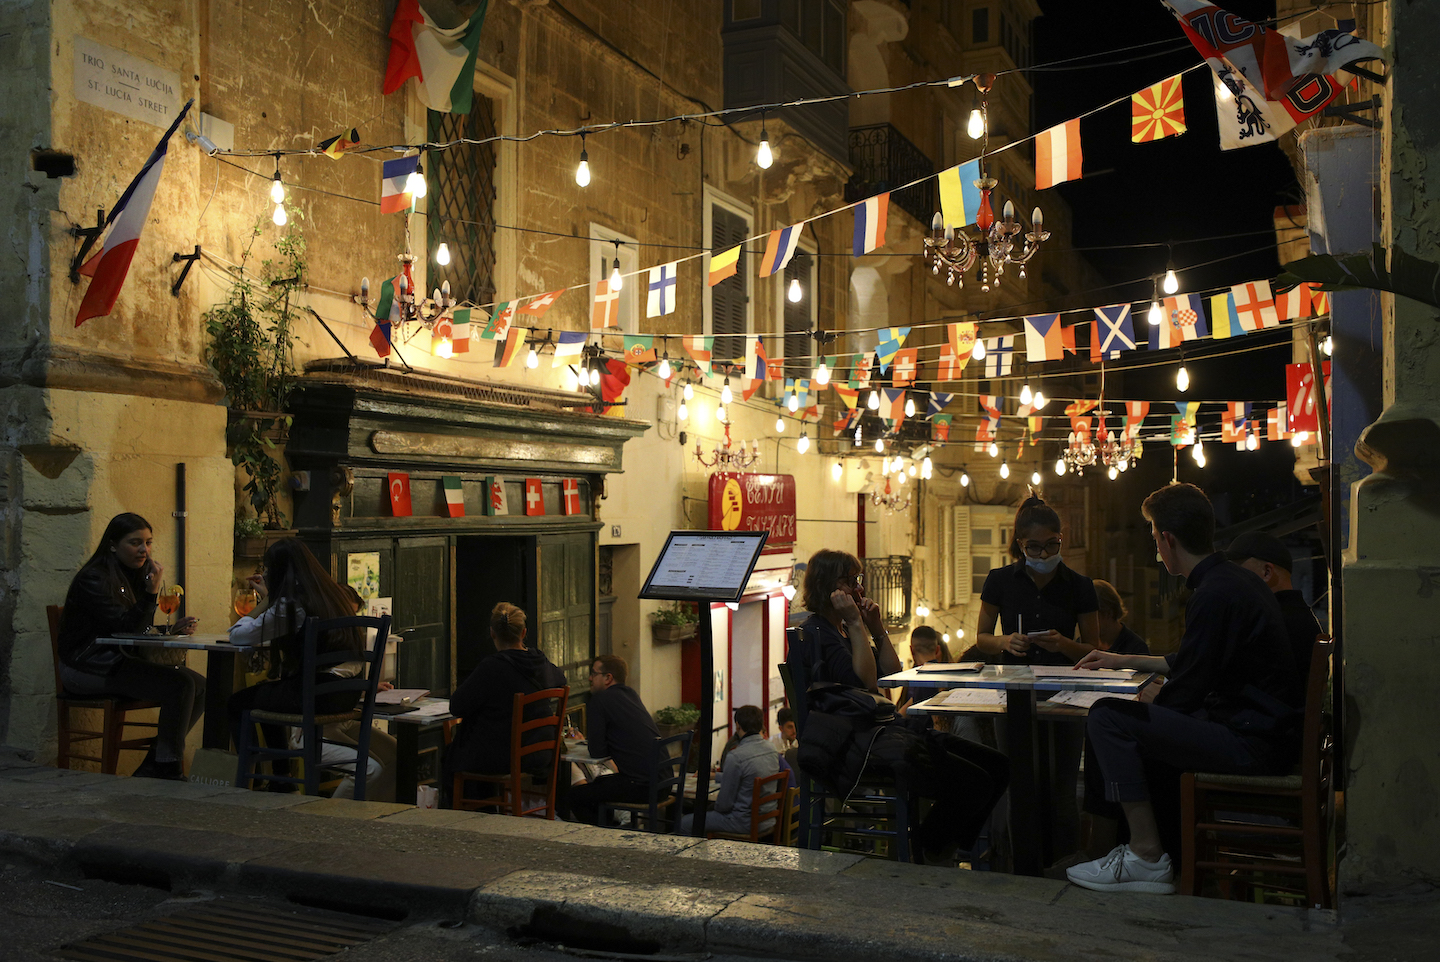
{"x": 1265, "y": 555}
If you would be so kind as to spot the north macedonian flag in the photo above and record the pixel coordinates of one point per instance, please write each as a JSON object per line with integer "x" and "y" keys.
{"x": 1157, "y": 111}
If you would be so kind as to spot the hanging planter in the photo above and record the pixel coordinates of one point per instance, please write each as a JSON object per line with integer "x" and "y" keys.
{"x": 677, "y": 623}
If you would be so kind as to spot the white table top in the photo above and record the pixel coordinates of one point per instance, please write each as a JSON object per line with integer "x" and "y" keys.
{"x": 197, "y": 641}
{"x": 1016, "y": 678}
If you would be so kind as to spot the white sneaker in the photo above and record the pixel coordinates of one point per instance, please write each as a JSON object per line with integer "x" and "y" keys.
{"x": 1124, "y": 871}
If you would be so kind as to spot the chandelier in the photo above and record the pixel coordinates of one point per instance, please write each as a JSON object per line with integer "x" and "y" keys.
{"x": 890, "y": 500}
{"x": 995, "y": 243}
{"x": 1114, "y": 451}
{"x": 412, "y": 309}
{"x": 728, "y": 458}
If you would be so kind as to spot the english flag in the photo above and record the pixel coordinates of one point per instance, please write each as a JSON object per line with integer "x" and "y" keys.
{"x": 1157, "y": 111}
{"x": 570, "y": 492}
{"x": 870, "y": 217}
{"x": 399, "y": 482}
{"x": 1042, "y": 338}
{"x": 534, "y": 498}
{"x": 108, "y": 268}
{"x": 1057, "y": 155}
{"x": 1255, "y": 306}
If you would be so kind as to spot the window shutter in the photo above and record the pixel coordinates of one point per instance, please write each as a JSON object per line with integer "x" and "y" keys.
{"x": 728, "y": 298}
{"x": 944, "y": 557}
{"x": 961, "y": 552}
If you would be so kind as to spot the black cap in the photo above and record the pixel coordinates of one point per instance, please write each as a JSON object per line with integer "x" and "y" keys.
{"x": 1265, "y": 547}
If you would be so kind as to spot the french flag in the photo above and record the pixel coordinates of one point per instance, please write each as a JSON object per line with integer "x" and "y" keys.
{"x": 108, "y": 268}
{"x": 870, "y": 223}
{"x": 780, "y": 248}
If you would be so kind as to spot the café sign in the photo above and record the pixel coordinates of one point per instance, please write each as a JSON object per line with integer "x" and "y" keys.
{"x": 754, "y": 502}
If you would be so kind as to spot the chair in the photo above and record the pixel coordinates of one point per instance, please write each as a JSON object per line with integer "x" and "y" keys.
{"x": 519, "y": 791}
{"x": 766, "y": 789}
{"x": 113, "y": 717}
{"x": 310, "y": 724}
{"x": 874, "y": 810}
{"x": 791, "y": 837}
{"x": 667, "y": 786}
{"x": 1263, "y": 830}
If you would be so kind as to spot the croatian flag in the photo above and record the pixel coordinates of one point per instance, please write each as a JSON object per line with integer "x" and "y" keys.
{"x": 394, "y": 198}
{"x": 779, "y": 249}
{"x": 108, "y": 268}
{"x": 870, "y": 223}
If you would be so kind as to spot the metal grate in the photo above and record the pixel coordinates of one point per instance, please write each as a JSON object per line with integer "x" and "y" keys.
{"x": 462, "y": 201}
{"x": 229, "y": 930}
{"x": 887, "y": 581}
{"x": 883, "y": 159}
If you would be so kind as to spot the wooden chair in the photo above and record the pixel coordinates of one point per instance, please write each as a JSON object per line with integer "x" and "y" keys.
{"x": 518, "y": 791}
{"x": 1264, "y": 831}
{"x": 766, "y": 789}
{"x": 791, "y": 837}
{"x": 667, "y": 787}
{"x": 113, "y": 717}
{"x": 311, "y": 725}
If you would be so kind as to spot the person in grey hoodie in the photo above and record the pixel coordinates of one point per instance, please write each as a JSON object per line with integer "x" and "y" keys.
{"x": 752, "y": 757}
{"x": 485, "y": 701}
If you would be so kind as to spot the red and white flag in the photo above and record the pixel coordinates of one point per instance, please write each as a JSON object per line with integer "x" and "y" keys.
{"x": 607, "y": 307}
{"x": 1255, "y": 306}
{"x": 534, "y": 498}
{"x": 1294, "y": 303}
{"x": 1303, "y": 396}
{"x": 906, "y": 362}
{"x": 399, "y": 494}
{"x": 1277, "y": 424}
{"x": 107, "y": 268}
{"x": 541, "y": 304}
{"x": 570, "y": 490}
{"x": 1057, "y": 155}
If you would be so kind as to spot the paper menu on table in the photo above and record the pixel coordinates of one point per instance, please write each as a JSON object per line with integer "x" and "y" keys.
{"x": 1098, "y": 674}
{"x": 966, "y": 697}
{"x": 953, "y": 666}
{"x": 1083, "y": 699}
{"x": 438, "y": 706}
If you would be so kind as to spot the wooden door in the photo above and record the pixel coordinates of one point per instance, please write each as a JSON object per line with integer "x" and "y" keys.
{"x": 566, "y": 574}
{"x": 421, "y": 587}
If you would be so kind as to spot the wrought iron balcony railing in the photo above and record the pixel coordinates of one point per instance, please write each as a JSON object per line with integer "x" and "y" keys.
{"x": 887, "y": 581}
{"x": 884, "y": 159}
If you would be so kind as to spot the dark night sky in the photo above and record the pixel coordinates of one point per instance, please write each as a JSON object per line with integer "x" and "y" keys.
{"x": 1164, "y": 191}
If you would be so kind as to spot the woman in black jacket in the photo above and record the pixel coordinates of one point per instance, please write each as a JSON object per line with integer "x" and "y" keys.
{"x": 485, "y": 701}
{"x": 114, "y": 592}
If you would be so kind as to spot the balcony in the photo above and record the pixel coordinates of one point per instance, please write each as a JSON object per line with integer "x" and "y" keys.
{"x": 887, "y": 582}
{"x": 884, "y": 159}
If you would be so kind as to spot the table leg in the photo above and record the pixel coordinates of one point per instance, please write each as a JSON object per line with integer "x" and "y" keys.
{"x": 407, "y": 757}
{"x": 1044, "y": 781}
{"x": 219, "y": 686}
{"x": 1025, "y": 808}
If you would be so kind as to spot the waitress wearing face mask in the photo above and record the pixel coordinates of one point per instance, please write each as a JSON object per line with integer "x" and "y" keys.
{"x": 1048, "y": 615}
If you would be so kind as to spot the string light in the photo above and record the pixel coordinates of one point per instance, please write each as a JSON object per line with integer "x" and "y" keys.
{"x": 993, "y": 450}
{"x": 683, "y": 411}
{"x": 1299, "y": 438}
{"x": 689, "y": 392}
{"x": 779, "y": 425}
{"x": 979, "y": 351}
{"x": 793, "y": 401}
{"x": 1328, "y": 347}
{"x": 945, "y": 637}
{"x": 594, "y": 376}
{"x": 964, "y": 480}
{"x": 1182, "y": 379}
{"x": 532, "y": 360}
{"x": 726, "y": 395}
{"x": 900, "y": 477}
{"x": 277, "y": 187}
{"x": 415, "y": 184}
{"x": 442, "y": 254}
{"x": 764, "y": 156}
{"x": 911, "y": 470}
{"x": 975, "y": 126}
{"x": 1252, "y": 441}
{"x": 616, "y": 280}
{"x": 1113, "y": 473}
{"x": 1035, "y": 478}
{"x": 1198, "y": 452}
{"x": 280, "y": 217}
{"x": 1153, "y": 315}
{"x": 879, "y": 446}
{"x": 874, "y": 402}
{"x": 795, "y": 294}
{"x": 803, "y": 444}
{"x": 1004, "y": 469}
{"x": 822, "y": 374}
{"x": 720, "y": 413}
{"x": 1171, "y": 284}
{"x": 1040, "y": 400}
{"x": 837, "y": 470}
{"x": 582, "y": 171}
{"x": 909, "y": 407}
{"x": 1025, "y": 395}
{"x": 927, "y": 469}
{"x": 1060, "y": 467}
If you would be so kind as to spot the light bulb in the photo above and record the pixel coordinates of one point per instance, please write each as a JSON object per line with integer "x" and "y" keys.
{"x": 1004, "y": 469}
{"x": 683, "y": 411}
{"x": 720, "y": 412}
{"x": 911, "y": 471}
{"x": 793, "y": 402}
{"x": 415, "y": 183}
{"x": 594, "y": 376}
{"x": 582, "y": 170}
{"x": 803, "y": 444}
{"x": 1182, "y": 379}
{"x": 874, "y": 402}
{"x": 900, "y": 477}
{"x": 442, "y": 254}
{"x": 665, "y": 368}
{"x": 277, "y": 189}
{"x": 1252, "y": 442}
{"x": 1025, "y": 395}
{"x": 532, "y": 360}
{"x": 879, "y": 446}
{"x": 726, "y": 395}
{"x": 926, "y": 466}
{"x": 689, "y": 392}
{"x": 616, "y": 280}
{"x": 979, "y": 352}
{"x": 1200, "y": 459}
{"x": 993, "y": 450}
{"x": 1060, "y": 466}
{"x": 794, "y": 293}
{"x": 922, "y": 610}
{"x": 884, "y": 467}
{"x": 779, "y": 425}
{"x": 445, "y": 348}
{"x": 1040, "y": 400}
{"x": 1301, "y": 437}
{"x": 964, "y": 480}
{"x": 837, "y": 470}
{"x": 822, "y": 375}
{"x": 975, "y": 126}
{"x": 1035, "y": 478}
{"x": 1171, "y": 284}
{"x": 1113, "y": 473}
{"x": 1154, "y": 316}
{"x": 909, "y": 407}
{"x": 1328, "y": 347}
{"x": 764, "y": 156}
{"x": 280, "y": 217}
{"x": 945, "y": 637}
{"x": 1123, "y": 466}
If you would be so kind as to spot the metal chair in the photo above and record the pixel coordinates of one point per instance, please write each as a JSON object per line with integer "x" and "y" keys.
{"x": 667, "y": 787}
{"x": 310, "y": 724}
{"x": 514, "y": 789}
{"x": 1261, "y": 831}
{"x": 113, "y": 711}
{"x": 765, "y": 790}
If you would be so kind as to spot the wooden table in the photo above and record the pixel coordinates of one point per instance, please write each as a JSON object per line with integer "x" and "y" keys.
{"x": 219, "y": 674}
{"x": 1029, "y": 758}
{"x": 419, "y": 747}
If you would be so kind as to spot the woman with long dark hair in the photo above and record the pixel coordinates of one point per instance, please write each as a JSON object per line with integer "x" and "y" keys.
{"x": 115, "y": 592}
{"x": 293, "y": 588}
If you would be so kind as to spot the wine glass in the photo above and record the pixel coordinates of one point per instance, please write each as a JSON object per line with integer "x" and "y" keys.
{"x": 169, "y": 602}
{"x": 246, "y": 598}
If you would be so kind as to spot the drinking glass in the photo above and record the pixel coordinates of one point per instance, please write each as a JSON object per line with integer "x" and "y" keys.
{"x": 246, "y": 598}
{"x": 169, "y": 602}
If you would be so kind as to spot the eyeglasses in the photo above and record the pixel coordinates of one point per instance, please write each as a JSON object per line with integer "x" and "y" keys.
{"x": 1036, "y": 549}
{"x": 846, "y": 582}
{"x": 594, "y": 673}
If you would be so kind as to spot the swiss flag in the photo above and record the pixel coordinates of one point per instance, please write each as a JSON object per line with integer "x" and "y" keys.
{"x": 399, "y": 494}
{"x": 534, "y": 500}
{"x": 570, "y": 488}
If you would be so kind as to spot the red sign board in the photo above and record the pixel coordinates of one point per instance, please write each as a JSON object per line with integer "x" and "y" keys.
{"x": 754, "y": 502}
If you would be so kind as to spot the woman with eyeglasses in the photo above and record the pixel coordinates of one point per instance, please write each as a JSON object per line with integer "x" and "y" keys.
{"x": 1047, "y": 614}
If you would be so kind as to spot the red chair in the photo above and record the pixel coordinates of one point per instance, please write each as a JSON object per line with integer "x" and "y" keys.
{"x": 518, "y": 791}
{"x": 767, "y": 788}
{"x": 113, "y": 717}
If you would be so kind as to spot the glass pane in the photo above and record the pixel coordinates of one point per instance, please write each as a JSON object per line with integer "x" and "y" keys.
{"x": 981, "y": 536}
{"x": 977, "y": 584}
{"x": 980, "y": 26}
{"x": 980, "y": 562}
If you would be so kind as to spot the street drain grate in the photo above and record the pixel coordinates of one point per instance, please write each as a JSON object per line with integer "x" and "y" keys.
{"x": 228, "y": 931}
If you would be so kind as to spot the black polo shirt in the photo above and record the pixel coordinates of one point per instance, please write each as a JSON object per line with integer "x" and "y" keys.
{"x": 1058, "y": 605}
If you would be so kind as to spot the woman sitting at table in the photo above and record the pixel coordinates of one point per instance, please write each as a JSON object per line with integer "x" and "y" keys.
{"x": 485, "y": 701}
{"x": 294, "y": 587}
{"x": 115, "y": 592}
{"x": 1048, "y": 615}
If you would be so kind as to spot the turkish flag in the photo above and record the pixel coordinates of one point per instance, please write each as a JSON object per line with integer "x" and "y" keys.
{"x": 534, "y": 500}
{"x": 570, "y": 488}
{"x": 399, "y": 494}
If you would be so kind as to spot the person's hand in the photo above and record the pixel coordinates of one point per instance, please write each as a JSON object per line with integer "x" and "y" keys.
{"x": 872, "y": 616}
{"x": 1101, "y": 659}
{"x": 844, "y": 606}
{"x": 1050, "y": 641}
{"x": 1148, "y": 693}
{"x": 257, "y": 583}
{"x": 154, "y": 573}
{"x": 186, "y": 625}
{"x": 1017, "y": 643}
{"x": 384, "y": 686}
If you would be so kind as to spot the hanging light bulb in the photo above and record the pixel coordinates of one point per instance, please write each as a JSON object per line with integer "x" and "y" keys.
{"x": 795, "y": 294}
{"x": 837, "y": 470}
{"x": 993, "y": 450}
{"x": 964, "y": 480}
{"x": 683, "y": 411}
{"x": 442, "y": 254}
{"x": 1004, "y": 469}
{"x": 879, "y": 446}
{"x": 793, "y": 402}
{"x": 415, "y": 184}
{"x": 1299, "y": 438}
{"x": 945, "y": 637}
{"x": 1252, "y": 441}
{"x": 909, "y": 407}
{"x": 1123, "y": 466}
{"x": 1025, "y": 395}
{"x": 857, "y": 436}
{"x": 1153, "y": 315}
{"x": 1328, "y": 347}
{"x": 617, "y": 281}
{"x": 803, "y": 444}
{"x": 900, "y": 478}
{"x": 280, "y": 217}
{"x": 664, "y": 371}
{"x": 874, "y": 402}
{"x": 1040, "y": 400}
{"x": 689, "y": 392}
{"x": 1060, "y": 466}
{"x": 979, "y": 352}
{"x": 1171, "y": 284}
{"x": 779, "y": 425}
{"x": 822, "y": 374}
{"x": 884, "y": 467}
{"x": 720, "y": 412}
{"x": 277, "y": 187}
{"x": 532, "y": 360}
{"x": 594, "y": 376}
{"x": 926, "y": 467}
{"x": 582, "y": 171}
{"x": 912, "y": 470}
{"x": 1182, "y": 379}
{"x": 726, "y": 395}
{"x": 975, "y": 126}
{"x": 1035, "y": 478}
{"x": 764, "y": 156}
{"x": 1113, "y": 473}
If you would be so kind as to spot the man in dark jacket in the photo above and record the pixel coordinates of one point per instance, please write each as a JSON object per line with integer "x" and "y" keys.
{"x": 618, "y": 727}
{"x": 1268, "y": 557}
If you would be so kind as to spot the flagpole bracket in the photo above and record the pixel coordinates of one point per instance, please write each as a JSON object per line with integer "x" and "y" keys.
{"x": 91, "y": 235}
{"x": 189, "y": 260}
{"x": 1351, "y": 112}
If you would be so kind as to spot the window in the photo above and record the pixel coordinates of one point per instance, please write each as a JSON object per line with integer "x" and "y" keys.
{"x": 798, "y": 317}
{"x": 461, "y": 202}
{"x": 980, "y": 25}
{"x": 729, "y": 301}
{"x": 602, "y": 260}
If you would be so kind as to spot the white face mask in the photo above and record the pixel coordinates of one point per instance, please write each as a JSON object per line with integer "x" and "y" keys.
{"x": 1043, "y": 565}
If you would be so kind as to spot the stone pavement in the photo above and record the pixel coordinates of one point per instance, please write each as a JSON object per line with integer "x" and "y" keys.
{"x": 633, "y": 891}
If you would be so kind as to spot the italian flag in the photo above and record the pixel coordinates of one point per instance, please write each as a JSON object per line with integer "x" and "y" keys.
{"x": 442, "y": 59}
{"x": 454, "y": 496}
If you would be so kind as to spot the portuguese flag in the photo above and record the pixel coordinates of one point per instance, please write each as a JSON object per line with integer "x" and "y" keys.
{"x": 441, "y": 59}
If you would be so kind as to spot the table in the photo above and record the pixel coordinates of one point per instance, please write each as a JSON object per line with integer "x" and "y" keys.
{"x": 419, "y": 747}
{"x": 1029, "y": 765}
{"x": 219, "y": 674}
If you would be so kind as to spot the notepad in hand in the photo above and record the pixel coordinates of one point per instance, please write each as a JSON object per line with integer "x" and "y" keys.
{"x": 951, "y": 666}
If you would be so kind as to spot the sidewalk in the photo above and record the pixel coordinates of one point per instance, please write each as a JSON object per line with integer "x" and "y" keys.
{"x": 643, "y": 892}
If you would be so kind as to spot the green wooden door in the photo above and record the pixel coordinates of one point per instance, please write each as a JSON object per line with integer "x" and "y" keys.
{"x": 421, "y": 585}
{"x": 567, "y": 604}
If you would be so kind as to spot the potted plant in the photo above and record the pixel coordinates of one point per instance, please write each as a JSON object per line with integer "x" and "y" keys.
{"x": 249, "y": 538}
{"x": 674, "y": 719}
{"x": 676, "y": 623}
